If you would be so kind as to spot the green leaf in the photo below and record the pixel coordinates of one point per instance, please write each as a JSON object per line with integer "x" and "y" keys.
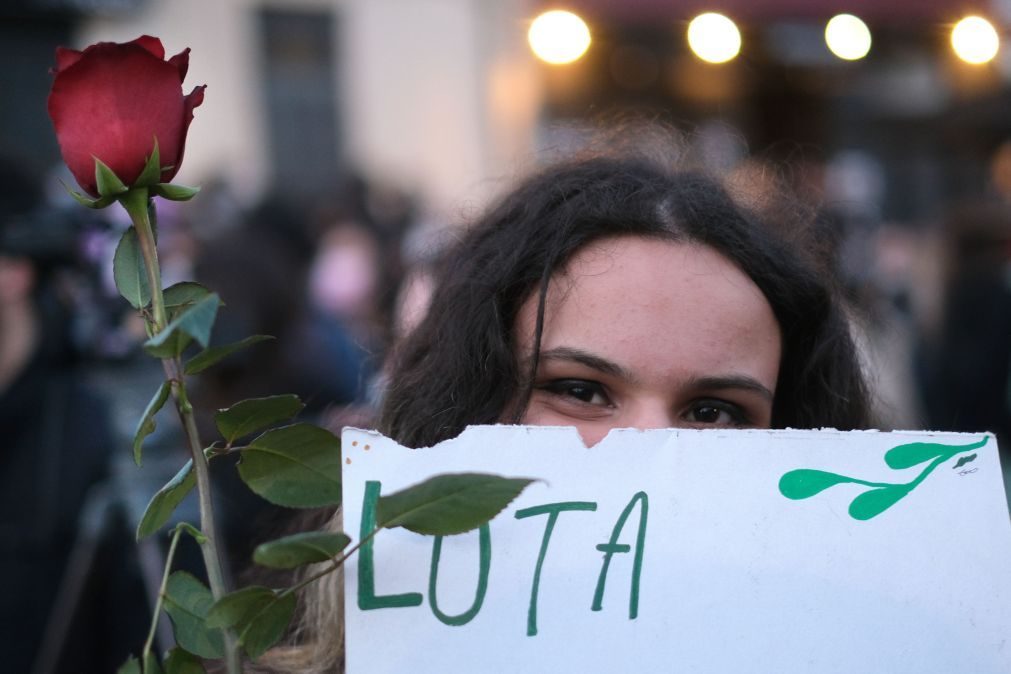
{"x": 259, "y": 615}
{"x": 255, "y": 414}
{"x": 175, "y": 192}
{"x": 875, "y": 501}
{"x": 195, "y": 322}
{"x": 107, "y": 182}
{"x": 129, "y": 272}
{"x": 310, "y": 547}
{"x": 187, "y": 602}
{"x": 445, "y": 505}
{"x": 151, "y": 665}
{"x": 147, "y": 425}
{"x": 908, "y": 455}
{"x": 182, "y": 296}
{"x": 212, "y": 355}
{"x": 295, "y": 466}
{"x": 131, "y": 666}
{"x": 88, "y": 202}
{"x": 151, "y": 174}
{"x": 179, "y": 661}
{"x": 168, "y": 498}
{"x": 805, "y": 482}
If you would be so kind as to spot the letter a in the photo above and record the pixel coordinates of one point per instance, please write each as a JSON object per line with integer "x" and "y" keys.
{"x": 612, "y": 546}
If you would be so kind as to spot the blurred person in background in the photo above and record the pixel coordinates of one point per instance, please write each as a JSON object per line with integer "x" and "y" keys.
{"x": 965, "y": 356}
{"x": 73, "y": 600}
{"x": 259, "y": 268}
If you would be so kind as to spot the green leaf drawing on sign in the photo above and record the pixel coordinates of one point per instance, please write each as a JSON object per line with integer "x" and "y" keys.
{"x": 297, "y": 466}
{"x": 168, "y": 498}
{"x": 445, "y": 505}
{"x": 806, "y": 482}
{"x": 259, "y": 615}
{"x": 187, "y": 602}
{"x": 311, "y": 547}
{"x": 249, "y": 416}
{"x": 873, "y": 502}
{"x": 128, "y": 271}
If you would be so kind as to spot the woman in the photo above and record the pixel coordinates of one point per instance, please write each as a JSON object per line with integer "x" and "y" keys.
{"x": 478, "y": 357}
{"x": 609, "y": 293}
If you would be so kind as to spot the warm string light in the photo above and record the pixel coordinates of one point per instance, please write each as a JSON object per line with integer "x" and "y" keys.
{"x": 848, "y": 37}
{"x": 714, "y": 38}
{"x": 975, "y": 40}
{"x": 558, "y": 37}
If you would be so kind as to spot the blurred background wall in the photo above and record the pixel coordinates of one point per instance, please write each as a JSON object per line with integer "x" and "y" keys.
{"x": 888, "y": 132}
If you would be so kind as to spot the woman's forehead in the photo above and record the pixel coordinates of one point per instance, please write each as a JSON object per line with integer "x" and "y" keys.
{"x": 655, "y": 303}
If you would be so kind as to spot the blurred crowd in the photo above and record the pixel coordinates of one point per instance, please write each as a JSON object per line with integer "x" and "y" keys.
{"x": 337, "y": 280}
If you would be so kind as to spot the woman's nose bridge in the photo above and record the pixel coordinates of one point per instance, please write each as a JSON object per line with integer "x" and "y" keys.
{"x": 653, "y": 413}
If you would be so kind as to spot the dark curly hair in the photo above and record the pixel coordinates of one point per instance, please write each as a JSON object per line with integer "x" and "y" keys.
{"x": 459, "y": 366}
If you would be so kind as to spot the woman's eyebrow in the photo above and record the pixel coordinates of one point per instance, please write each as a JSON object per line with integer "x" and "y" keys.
{"x": 732, "y": 382}
{"x": 588, "y": 359}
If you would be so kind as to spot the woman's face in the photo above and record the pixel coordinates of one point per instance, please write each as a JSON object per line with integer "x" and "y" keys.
{"x": 645, "y": 333}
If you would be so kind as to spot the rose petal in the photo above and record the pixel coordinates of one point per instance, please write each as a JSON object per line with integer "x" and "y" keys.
{"x": 66, "y": 58}
{"x": 195, "y": 98}
{"x": 182, "y": 62}
{"x": 112, "y": 105}
{"x": 152, "y": 44}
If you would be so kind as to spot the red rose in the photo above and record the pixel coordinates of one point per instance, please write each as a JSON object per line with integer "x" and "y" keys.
{"x": 112, "y": 101}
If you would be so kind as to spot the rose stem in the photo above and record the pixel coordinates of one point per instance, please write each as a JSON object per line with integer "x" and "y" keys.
{"x": 136, "y": 204}
{"x": 161, "y": 594}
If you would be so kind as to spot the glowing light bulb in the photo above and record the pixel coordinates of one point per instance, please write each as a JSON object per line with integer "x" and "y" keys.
{"x": 975, "y": 40}
{"x": 714, "y": 38}
{"x": 558, "y": 37}
{"x": 848, "y": 37}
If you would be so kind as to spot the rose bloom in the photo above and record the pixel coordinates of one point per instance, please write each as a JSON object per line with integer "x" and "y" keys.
{"x": 112, "y": 101}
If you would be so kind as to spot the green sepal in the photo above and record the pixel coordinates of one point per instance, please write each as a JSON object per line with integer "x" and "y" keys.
{"x": 174, "y": 192}
{"x": 107, "y": 182}
{"x": 310, "y": 547}
{"x": 151, "y": 665}
{"x": 195, "y": 322}
{"x": 295, "y": 466}
{"x": 450, "y": 504}
{"x": 187, "y": 602}
{"x": 258, "y": 614}
{"x": 88, "y": 202}
{"x": 151, "y": 175}
{"x": 255, "y": 414}
{"x": 211, "y": 355}
{"x": 131, "y": 666}
{"x": 166, "y": 500}
{"x": 128, "y": 271}
{"x": 147, "y": 424}
{"x": 178, "y": 661}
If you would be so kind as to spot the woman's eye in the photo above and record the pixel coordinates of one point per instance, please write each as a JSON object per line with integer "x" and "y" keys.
{"x": 589, "y": 392}
{"x": 717, "y": 413}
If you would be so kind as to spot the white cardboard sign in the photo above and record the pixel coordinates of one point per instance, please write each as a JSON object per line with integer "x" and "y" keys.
{"x": 680, "y": 551}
